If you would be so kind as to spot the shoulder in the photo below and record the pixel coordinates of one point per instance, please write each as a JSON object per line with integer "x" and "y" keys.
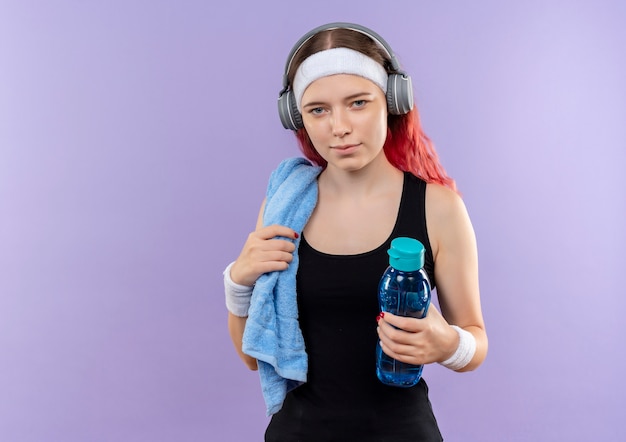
{"x": 446, "y": 216}
{"x": 442, "y": 201}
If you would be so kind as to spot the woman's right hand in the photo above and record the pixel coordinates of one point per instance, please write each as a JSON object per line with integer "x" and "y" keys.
{"x": 267, "y": 249}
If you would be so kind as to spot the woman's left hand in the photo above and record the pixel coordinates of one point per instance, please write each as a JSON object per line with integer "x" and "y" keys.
{"x": 417, "y": 341}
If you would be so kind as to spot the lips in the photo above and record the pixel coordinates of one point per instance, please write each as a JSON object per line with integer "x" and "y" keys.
{"x": 344, "y": 146}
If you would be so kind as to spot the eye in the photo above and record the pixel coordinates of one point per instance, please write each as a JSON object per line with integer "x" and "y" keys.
{"x": 316, "y": 111}
{"x": 359, "y": 103}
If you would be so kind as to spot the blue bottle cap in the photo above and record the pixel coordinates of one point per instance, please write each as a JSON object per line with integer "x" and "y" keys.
{"x": 406, "y": 254}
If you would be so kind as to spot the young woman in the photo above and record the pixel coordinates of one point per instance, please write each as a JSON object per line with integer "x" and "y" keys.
{"x": 379, "y": 178}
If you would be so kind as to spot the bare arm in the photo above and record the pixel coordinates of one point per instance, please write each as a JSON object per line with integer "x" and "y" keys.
{"x": 456, "y": 266}
{"x": 236, "y": 326}
{"x": 261, "y": 253}
{"x": 428, "y": 340}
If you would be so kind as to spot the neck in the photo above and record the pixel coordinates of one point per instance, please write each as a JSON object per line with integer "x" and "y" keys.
{"x": 375, "y": 178}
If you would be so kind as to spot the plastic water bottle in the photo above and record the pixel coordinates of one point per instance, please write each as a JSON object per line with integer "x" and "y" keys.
{"x": 404, "y": 290}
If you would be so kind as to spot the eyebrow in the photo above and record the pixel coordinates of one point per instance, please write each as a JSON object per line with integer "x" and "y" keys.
{"x": 348, "y": 98}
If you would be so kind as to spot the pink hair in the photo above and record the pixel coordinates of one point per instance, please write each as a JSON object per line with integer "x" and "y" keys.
{"x": 407, "y": 147}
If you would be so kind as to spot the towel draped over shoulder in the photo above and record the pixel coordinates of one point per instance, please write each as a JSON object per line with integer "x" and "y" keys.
{"x": 272, "y": 334}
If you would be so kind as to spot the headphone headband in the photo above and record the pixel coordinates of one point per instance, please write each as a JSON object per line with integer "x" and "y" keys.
{"x": 338, "y": 25}
{"x": 399, "y": 90}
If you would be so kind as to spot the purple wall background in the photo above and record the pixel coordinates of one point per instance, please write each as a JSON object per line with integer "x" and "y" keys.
{"x": 135, "y": 143}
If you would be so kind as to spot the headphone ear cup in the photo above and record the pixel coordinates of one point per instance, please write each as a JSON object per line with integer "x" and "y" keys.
{"x": 290, "y": 117}
{"x": 399, "y": 94}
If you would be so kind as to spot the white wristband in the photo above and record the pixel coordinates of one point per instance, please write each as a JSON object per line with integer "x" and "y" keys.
{"x": 464, "y": 352}
{"x": 237, "y": 295}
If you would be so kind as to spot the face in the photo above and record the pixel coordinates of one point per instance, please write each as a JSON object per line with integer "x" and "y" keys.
{"x": 346, "y": 118}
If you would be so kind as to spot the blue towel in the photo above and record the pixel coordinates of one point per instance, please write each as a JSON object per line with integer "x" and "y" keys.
{"x": 272, "y": 334}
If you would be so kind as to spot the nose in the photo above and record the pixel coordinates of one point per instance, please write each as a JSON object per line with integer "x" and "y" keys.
{"x": 340, "y": 123}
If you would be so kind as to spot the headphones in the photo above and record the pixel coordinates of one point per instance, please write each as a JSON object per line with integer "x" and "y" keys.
{"x": 399, "y": 87}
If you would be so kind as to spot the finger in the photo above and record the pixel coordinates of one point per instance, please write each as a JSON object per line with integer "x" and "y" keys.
{"x": 390, "y": 333}
{"x": 276, "y": 230}
{"x": 404, "y": 323}
{"x": 276, "y": 256}
{"x": 261, "y": 256}
{"x": 261, "y": 264}
{"x": 402, "y": 345}
{"x": 257, "y": 245}
{"x": 271, "y": 266}
{"x": 403, "y": 353}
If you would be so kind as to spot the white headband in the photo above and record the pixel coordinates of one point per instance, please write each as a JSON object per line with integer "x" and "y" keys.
{"x": 337, "y": 61}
